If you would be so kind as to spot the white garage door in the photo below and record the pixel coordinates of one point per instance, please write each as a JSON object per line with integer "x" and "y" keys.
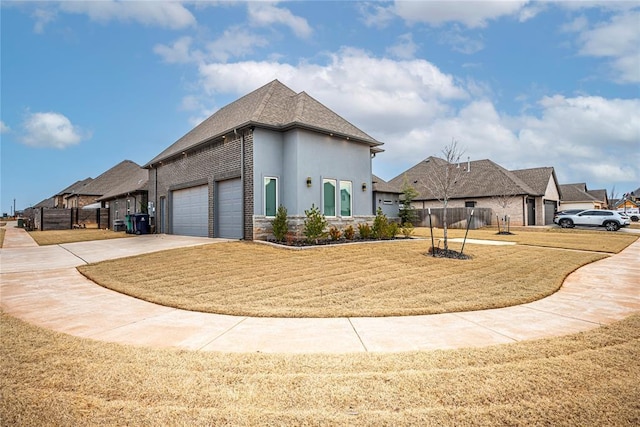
{"x": 229, "y": 209}
{"x": 190, "y": 211}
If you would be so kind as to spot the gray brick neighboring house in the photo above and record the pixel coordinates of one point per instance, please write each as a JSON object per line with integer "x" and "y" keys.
{"x": 89, "y": 194}
{"x": 228, "y": 175}
{"x": 527, "y": 196}
{"x": 129, "y": 195}
{"x": 60, "y": 199}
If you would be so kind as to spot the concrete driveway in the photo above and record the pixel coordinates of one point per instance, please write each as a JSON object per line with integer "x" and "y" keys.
{"x": 42, "y": 286}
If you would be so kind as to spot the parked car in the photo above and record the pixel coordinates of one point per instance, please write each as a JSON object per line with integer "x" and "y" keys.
{"x": 611, "y": 220}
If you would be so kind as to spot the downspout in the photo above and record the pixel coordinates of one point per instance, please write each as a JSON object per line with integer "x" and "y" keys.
{"x": 155, "y": 203}
{"x": 242, "y": 192}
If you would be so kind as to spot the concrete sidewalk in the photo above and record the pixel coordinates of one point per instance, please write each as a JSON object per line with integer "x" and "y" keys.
{"x": 41, "y": 285}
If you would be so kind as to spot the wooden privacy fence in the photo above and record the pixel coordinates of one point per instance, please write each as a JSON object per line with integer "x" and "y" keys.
{"x": 456, "y": 217}
{"x": 65, "y": 219}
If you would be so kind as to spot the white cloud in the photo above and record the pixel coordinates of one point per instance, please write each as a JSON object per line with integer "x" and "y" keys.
{"x": 405, "y": 48}
{"x": 266, "y": 14}
{"x": 459, "y": 42}
{"x": 617, "y": 39}
{"x": 51, "y": 130}
{"x": 234, "y": 42}
{"x": 43, "y": 16}
{"x": 172, "y": 15}
{"x": 4, "y": 128}
{"x": 472, "y": 14}
{"x": 375, "y": 15}
{"x": 178, "y": 53}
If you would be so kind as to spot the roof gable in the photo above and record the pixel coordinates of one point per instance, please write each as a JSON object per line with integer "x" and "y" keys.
{"x": 537, "y": 178}
{"x": 75, "y": 187}
{"x": 274, "y": 106}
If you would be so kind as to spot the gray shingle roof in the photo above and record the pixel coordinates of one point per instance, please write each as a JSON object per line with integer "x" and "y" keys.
{"x": 484, "y": 179}
{"x": 382, "y": 186}
{"x": 274, "y": 106}
{"x": 109, "y": 180}
{"x": 537, "y": 178}
{"x": 578, "y": 193}
{"x": 132, "y": 181}
{"x": 75, "y": 187}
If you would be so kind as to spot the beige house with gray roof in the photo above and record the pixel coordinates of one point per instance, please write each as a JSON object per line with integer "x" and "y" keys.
{"x": 577, "y": 196}
{"x": 527, "y": 196}
{"x": 272, "y": 147}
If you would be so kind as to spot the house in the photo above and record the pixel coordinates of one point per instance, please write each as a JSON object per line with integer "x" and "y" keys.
{"x": 88, "y": 194}
{"x": 129, "y": 195}
{"x": 577, "y": 196}
{"x": 527, "y": 196}
{"x": 228, "y": 175}
{"x": 60, "y": 199}
{"x": 386, "y": 197}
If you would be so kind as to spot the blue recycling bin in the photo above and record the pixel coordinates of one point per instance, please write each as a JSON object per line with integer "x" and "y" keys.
{"x": 141, "y": 223}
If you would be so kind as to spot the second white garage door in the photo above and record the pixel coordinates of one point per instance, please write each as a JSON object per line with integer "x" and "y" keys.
{"x": 229, "y": 209}
{"x": 190, "y": 211}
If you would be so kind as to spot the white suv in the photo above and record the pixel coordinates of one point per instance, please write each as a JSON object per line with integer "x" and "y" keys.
{"x": 611, "y": 220}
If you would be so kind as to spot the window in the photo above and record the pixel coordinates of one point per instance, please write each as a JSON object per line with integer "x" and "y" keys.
{"x": 469, "y": 204}
{"x": 345, "y": 198}
{"x": 329, "y": 197}
{"x": 270, "y": 196}
{"x": 128, "y": 206}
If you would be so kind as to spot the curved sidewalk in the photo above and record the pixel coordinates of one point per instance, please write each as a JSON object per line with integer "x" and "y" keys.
{"x": 42, "y": 286}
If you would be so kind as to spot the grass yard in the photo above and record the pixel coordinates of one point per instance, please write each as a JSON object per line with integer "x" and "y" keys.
{"x": 57, "y": 237}
{"x": 587, "y": 379}
{"x": 2, "y": 231}
{"x": 588, "y": 240}
{"x": 391, "y": 278}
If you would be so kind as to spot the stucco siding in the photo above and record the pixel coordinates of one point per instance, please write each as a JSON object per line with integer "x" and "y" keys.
{"x": 298, "y": 155}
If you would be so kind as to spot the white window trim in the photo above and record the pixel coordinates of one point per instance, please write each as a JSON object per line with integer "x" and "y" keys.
{"x": 264, "y": 195}
{"x": 350, "y": 198}
{"x": 335, "y": 197}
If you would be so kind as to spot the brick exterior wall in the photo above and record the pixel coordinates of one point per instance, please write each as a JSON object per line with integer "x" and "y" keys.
{"x": 215, "y": 161}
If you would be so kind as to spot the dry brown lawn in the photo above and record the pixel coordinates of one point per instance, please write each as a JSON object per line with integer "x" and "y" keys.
{"x": 2, "y": 231}
{"x": 587, "y": 379}
{"x": 57, "y": 237}
{"x": 374, "y": 279}
{"x": 588, "y": 240}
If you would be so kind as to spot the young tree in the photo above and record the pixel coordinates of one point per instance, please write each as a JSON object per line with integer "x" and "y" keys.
{"x": 407, "y": 212}
{"x": 504, "y": 197}
{"x": 443, "y": 177}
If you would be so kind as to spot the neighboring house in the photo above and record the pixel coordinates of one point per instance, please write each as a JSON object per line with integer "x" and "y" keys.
{"x": 577, "y": 196}
{"x": 129, "y": 196}
{"x": 89, "y": 194}
{"x": 385, "y": 197}
{"x": 527, "y": 197}
{"x": 60, "y": 199}
{"x": 227, "y": 176}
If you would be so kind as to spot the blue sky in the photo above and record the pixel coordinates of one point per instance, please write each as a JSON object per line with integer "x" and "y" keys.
{"x": 86, "y": 85}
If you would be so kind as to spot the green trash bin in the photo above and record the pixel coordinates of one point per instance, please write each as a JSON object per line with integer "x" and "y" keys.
{"x": 128, "y": 220}
{"x": 20, "y": 223}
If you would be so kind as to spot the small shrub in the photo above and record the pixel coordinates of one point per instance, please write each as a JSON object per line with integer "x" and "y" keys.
{"x": 407, "y": 229}
{"x": 280, "y": 224}
{"x": 391, "y": 230}
{"x": 364, "y": 230}
{"x": 349, "y": 233}
{"x": 380, "y": 225}
{"x": 314, "y": 224}
{"x": 335, "y": 233}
